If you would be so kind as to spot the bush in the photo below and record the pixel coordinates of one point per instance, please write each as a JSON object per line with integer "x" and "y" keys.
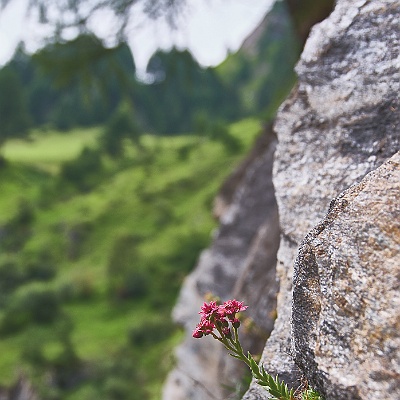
{"x": 79, "y": 288}
{"x": 135, "y": 285}
{"x": 17, "y": 231}
{"x": 83, "y": 172}
{"x": 15, "y": 271}
{"x": 116, "y": 388}
{"x": 38, "y": 266}
{"x": 76, "y": 235}
{"x": 219, "y": 131}
{"x": 121, "y": 125}
{"x": 38, "y": 270}
{"x": 127, "y": 283}
{"x": 31, "y": 303}
{"x": 185, "y": 151}
{"x": 126, "y": 277}
{"x": 150, "y": 331}
{"x": 61, "y": 364}
{"x": 11, "y": 276}
{"x": 164, "y": 213}
{"x": 118, "y": 378}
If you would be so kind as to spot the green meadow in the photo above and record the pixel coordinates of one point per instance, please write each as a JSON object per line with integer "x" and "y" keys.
{"x": 98, "y": 249}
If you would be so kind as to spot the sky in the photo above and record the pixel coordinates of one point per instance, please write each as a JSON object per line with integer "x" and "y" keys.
{"x": 208, "y": 28}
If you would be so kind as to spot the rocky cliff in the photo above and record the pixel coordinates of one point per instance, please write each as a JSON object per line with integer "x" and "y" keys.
{"x": 336, "y": 180}
{"x": 346, "y": 298}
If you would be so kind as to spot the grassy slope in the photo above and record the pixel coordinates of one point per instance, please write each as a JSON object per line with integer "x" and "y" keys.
{"x": 48, "y": 150}
{"x": 164, "y": 199}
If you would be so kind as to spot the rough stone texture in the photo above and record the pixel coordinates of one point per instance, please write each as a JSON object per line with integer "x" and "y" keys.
{"x": 346, "y": 297}
{"x": 341, "y": 122}
{"x": 240, "y": 263}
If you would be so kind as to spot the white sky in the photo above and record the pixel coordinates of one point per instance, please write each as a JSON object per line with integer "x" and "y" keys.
{"x": 209, "y": 28}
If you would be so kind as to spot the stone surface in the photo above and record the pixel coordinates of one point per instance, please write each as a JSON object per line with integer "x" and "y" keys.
{"x": 240, "y": 263}
{"x": 341, "y": 122}
{"x": 346, "y": 297}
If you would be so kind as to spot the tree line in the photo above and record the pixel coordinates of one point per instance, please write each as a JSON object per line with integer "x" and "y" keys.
{"x": 81, "y": 83}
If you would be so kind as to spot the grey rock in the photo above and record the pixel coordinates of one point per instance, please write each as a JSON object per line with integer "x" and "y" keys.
{"x": 240, "y": 263}
{"x": 346, "y": 298}
{"x": 341, "y": 122}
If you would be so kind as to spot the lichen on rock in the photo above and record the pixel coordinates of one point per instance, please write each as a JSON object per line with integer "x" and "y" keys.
{"x": 346, "y": 297}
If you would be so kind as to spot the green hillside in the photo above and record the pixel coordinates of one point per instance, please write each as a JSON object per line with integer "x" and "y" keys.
{"x": 91, "y": 261}
{"x": 100, "y": 223}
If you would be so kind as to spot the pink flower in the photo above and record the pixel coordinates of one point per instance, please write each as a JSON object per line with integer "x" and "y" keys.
{"x": 197, "y": 333}
{"x": 214, "y": 316}
{"x": 205, "y": 327}
{"x": 231, "y": 307}
{"x": 209, "y": 310}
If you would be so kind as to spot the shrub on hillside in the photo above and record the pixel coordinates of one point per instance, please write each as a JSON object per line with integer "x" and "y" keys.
{"x": 76, "y": 234}
{"x": 31, "y": 303}
{"x": 79, "y": 288}
{"x": 121, "y": 125}
{"x": 170, "y": 270}
{"x": 83, "y": 172}
{"x": 185, "y": 151}
{"x": 36, "y": 270}
{"x": 17, "y": 270}
{"x": 220, "y": 132}
{"x": 163, "y": 212}
{"x": 61, "y": 366}
{"x": 126, "y": 278}
{"x": 38, "y": 266}
{"x": 18, "y": 229}
{"x": 118, "y": 378}
{"x": 11, "y": 276}
{"x": 150, "y": 331}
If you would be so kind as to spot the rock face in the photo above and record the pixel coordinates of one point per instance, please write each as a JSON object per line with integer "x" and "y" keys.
{"x": 243, "y": 251}
{"x": 341, "y": 122}
{"x": 346, "y": 297}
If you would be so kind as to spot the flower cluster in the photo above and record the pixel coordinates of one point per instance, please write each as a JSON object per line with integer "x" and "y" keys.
{"x": 220, "y": 321}
{"x": 214, "y": 316}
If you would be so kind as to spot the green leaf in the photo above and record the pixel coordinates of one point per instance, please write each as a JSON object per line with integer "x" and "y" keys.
{"x": 253, "y": 364}
{"x": 279, "y": 390}
{"x": 238, "y": 346}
